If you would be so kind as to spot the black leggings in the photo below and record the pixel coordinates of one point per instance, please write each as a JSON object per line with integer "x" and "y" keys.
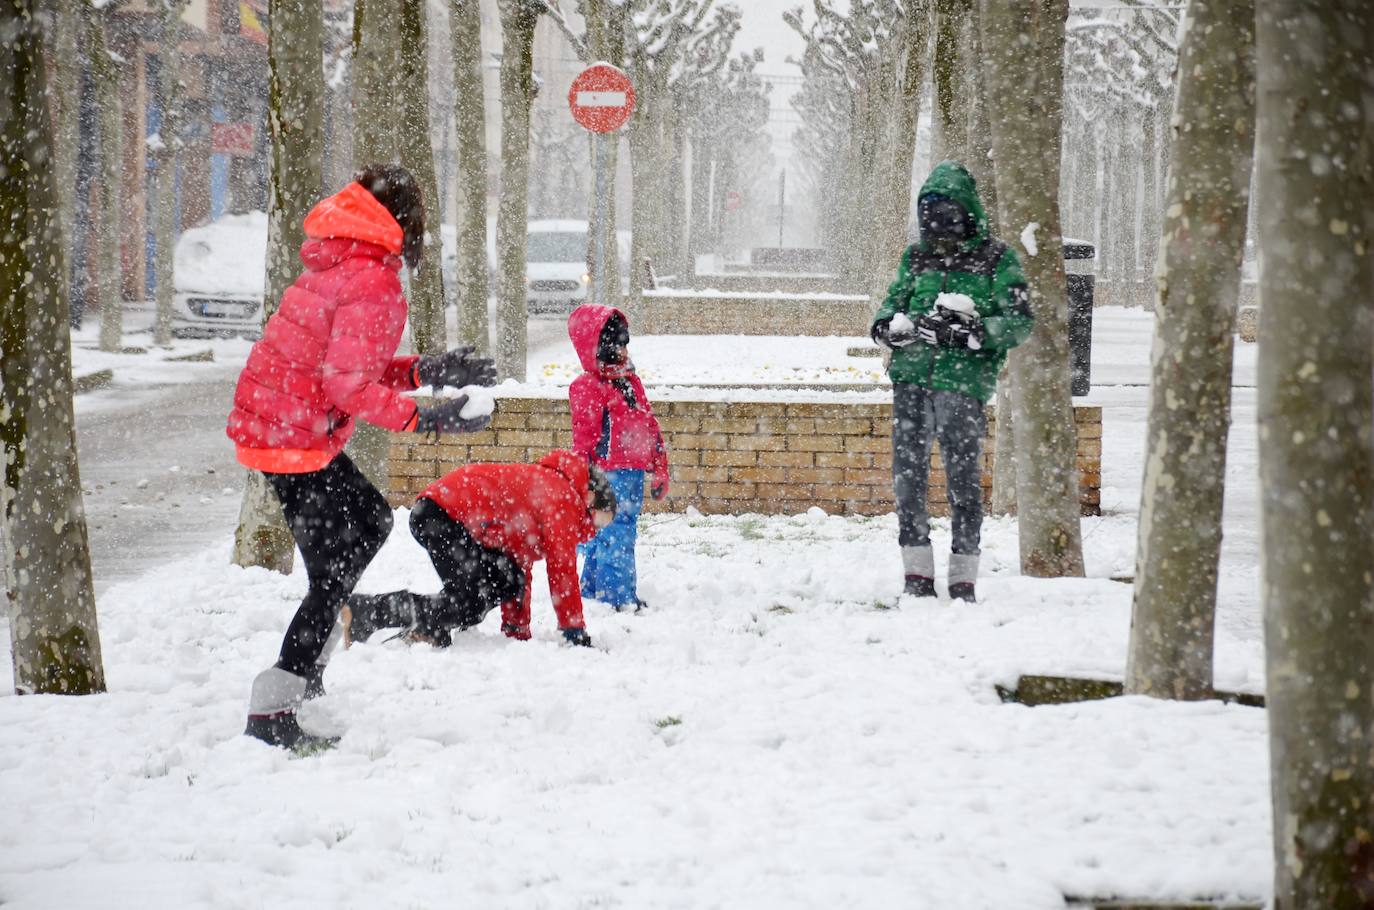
{"x": 339, "y": 521}
{"x": 476, "y": 579}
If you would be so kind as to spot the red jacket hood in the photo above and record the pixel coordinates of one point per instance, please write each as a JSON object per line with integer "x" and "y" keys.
{"x": 573, "y": 468}
{"x": 584, "y": 328}
{"x": 354, "y": 214}
{"x": 318, "y": 255}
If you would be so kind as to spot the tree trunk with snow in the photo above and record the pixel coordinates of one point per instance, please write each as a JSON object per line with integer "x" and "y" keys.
{"x": 1023, "y": 45}
{"x": 377, "y": 113}
{"x": 1197, "y": 285}
{"x": 1315, "y": 100}
{"x": 470, "y": 121}
{"x": 107, "y": 76}
{"x": 65, "y": 92}
{"x": 295, "y": 120}
{"x": 425, "y": 296}
{"x": 518, "y": 19}
{"x": 954, "y": 81}
{"x": 54, "y": 637}
{"x": 607, "y": 22}
{"x": 167, "y": 144}
{"x": 893, "y": 209}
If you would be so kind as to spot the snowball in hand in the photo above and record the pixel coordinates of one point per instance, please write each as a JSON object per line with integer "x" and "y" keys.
{"x": 480, "y": 402}
{"x": 901, "y": 325}
{"x": 958, "y": 303}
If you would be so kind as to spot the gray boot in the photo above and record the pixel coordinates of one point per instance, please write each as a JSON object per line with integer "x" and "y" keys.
{"x": 963, "y": 572}
{"x": 272, "y": 711}
{"x": 918, "y": 565}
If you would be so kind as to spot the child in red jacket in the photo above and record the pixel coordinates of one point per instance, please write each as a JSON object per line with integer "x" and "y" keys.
{"x": 484, "y": 527}
{"x": 613, "y": 426}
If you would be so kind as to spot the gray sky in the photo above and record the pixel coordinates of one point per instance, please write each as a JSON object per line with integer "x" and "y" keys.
{"x": 762, "y": 26}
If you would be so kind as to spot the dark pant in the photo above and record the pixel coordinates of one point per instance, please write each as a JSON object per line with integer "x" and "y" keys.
{"x": 339, "y": 521}
{"x": 476, "y": 580}
{"x": 919, "y": 417}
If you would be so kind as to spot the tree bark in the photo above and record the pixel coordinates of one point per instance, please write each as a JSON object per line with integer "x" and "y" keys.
{"x": 470, "y": 121}
{"x": 518, "y": 19}
{"x": 107, "y": 74}
{"x": 425, "y": 296}
{"x": 1315, "y": 101}
{"x": 54, "y": 637}
{"x": 953, "y": 78}
{"x": 165, "y": 229}
{"x": 899, "y": 151}
{"x": 376, "y": 139}
{"x": 1024, "y": 49}
{"x": 1197, "y": 286}
{"x": 295, "y": 120}
{"x": 66, "y": 96}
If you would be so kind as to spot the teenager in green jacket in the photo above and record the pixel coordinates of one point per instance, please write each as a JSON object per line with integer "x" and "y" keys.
{"x": 958, "y": 305}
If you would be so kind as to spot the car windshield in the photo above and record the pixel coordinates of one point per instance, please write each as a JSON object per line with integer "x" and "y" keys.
{"x": 557, "y": 246}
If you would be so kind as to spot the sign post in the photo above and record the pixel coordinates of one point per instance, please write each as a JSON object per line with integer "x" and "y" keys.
{"x": 602, "y": 99}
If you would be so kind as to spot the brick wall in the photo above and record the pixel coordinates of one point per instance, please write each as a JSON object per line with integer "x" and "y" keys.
{"x": 736, "y": 457}
{"x": 675, "y": 314}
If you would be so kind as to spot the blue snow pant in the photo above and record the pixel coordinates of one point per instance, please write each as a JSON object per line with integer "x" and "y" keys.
{"x": 919, "y": 417}
{"x": 608, "y": 570}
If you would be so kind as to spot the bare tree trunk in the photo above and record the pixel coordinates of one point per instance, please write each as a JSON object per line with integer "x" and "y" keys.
{"x": 470, "y": 120}
{"x": 518, "y": 19}
{"x": 954, "y": 79}
{"x": 107, "y": 75}
{"x": 165, "y": 226}
{"x": 54, "y": 637}
{"x": 376, "y": 139}
{"x": 1315, "y": 101}
{"x": 1198, "y": 282}
{"x": 66, "y": 95}
{"x": 1024, "y": 49}
{"x": 899, "y": 151}
{"x": 295, "y": 118}
{"x": 1150, "y": 212}
{"x": 1124, "y": 183}
{"x": 425, "y": 296}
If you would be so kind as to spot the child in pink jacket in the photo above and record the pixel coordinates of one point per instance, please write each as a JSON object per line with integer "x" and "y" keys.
{"x": 614, "y": 427}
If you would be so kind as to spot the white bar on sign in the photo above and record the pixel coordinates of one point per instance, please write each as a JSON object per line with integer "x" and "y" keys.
{"x": 600, "y": 99}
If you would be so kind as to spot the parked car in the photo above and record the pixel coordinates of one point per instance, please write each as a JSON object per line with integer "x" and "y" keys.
{"x": 218, "y": 274}
{"x": 556, "y": 264}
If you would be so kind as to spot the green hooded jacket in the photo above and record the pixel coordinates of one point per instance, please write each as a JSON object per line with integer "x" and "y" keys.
{"x": 985, "y": 269}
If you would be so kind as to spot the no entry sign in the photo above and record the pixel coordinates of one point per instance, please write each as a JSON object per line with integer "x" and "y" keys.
{"x": 602, "y": 98}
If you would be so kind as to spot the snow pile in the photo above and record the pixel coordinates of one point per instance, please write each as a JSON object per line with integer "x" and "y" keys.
{"x": 773, "y": 732}
{"x": 901, "y": 324}
{"x": 956, "y": 303}
{"x": 1028, "y": 238}
{"x": 228, "y": 256}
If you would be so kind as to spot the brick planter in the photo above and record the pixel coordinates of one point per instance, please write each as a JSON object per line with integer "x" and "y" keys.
{"x": 768, "y": 457}
{"x": 683, "y": 313}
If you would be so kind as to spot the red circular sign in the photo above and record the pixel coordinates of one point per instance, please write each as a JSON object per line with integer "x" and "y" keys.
{"x": 602, "y": 98}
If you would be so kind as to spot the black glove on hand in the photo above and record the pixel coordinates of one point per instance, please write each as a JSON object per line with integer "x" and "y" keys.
{"x": 445, "y": 418}
{"x": 950, "y": 332}
{"x": 883, "y": 334}
{"x": 577, "y": 637}
{"x": 455, "y": 368}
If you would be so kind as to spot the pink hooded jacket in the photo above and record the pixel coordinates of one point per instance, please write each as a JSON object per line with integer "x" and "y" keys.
{"x": 606, "y": 428}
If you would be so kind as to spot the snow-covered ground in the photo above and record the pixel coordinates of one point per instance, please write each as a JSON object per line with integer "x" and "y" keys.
{"x": 777, "y": 731}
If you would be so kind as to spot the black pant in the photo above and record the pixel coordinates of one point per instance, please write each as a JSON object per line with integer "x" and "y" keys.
{"x": 339, "y": 521}
{"x": 476, "y": 580}
{"x": 919, "y": 417}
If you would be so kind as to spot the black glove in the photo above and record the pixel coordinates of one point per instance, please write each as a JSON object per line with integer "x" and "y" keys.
{"x": 445, "y": 418}
{"x": 455, "y": 368}
{"x": 883, "y": 334}
{"x": 577, "y": 637}
{"x": 949, "y": 331}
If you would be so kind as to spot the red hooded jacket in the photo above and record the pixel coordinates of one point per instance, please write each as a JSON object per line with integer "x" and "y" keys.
{"x": 605, "y": 428}
{"x": 529, "y": 512}
{"x": 327, "y": 355}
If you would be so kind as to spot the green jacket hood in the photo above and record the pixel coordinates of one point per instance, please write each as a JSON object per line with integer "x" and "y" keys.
{"x": 952, "y": 180}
